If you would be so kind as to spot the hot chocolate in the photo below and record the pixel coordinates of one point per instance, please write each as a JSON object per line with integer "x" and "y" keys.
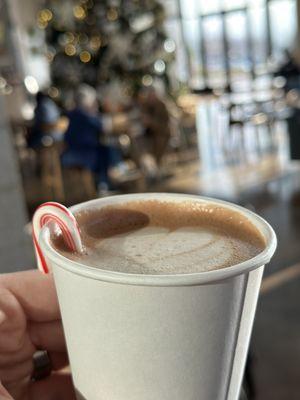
{"x": 164, "y": 237}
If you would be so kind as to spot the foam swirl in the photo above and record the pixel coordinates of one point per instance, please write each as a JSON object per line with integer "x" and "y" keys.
{"x": 154, "y": 237}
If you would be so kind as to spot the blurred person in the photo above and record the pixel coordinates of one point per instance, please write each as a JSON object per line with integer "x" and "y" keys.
{"x": 156, "y": 125}
{"x": 30, "y": 321}
{"x": 45, "y": 122}
{"x": 83, "y": 138}
{"x": 290, "y": 70}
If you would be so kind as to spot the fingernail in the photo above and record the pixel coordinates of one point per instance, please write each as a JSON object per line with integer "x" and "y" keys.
{"x": 2, "y": 318}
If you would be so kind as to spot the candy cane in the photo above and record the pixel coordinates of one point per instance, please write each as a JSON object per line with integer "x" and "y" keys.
{"x": 66, "y": 221}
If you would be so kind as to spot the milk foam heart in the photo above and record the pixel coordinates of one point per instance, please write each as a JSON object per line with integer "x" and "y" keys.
{"x": 156, "y": 237}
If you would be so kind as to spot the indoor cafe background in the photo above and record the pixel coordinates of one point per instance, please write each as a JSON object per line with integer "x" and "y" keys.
{"x": 226, "y": 74}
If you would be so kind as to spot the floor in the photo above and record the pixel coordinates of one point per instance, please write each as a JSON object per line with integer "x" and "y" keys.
{"x": 276, "y": 335}
{"x": 272, "y": 189}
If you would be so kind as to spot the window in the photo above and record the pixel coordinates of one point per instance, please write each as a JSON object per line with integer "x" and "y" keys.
{"x": 209, "y": 6}
{"x": 258, "y": 31}
{"x": 283, "y": 19}
{"x": 239, "y": 53}
{"x": 189, "y": 8}
{"x": 214, "y": 50}
{"x": 230, "y": 39}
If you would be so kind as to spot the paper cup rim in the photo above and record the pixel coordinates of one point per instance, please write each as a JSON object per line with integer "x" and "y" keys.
{"x": 196, "y": 278}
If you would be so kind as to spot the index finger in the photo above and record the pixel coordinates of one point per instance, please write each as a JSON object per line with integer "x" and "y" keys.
{"x": 35, "y": 292}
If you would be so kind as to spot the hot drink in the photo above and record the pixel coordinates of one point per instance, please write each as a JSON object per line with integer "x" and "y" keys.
{"x": 164, "y": 237}
{"x": 142, "y": 318}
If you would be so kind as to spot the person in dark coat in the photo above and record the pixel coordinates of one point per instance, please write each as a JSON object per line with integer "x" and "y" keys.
{"x": 83, "y": 137}
{"x": 46, "y": 117}
{"x": 156, "y": 121}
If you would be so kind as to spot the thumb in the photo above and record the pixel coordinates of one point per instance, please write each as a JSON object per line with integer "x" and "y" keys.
{"x": 4, "y": 395}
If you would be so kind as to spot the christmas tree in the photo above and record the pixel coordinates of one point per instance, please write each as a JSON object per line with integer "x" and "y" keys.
{"x": 102, "y": 42}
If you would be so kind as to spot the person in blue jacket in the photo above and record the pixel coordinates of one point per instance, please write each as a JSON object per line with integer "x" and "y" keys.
{"x": 83, "y": 137}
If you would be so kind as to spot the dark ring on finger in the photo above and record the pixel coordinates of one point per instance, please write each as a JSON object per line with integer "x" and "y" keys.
{"x": 42, "y": 365}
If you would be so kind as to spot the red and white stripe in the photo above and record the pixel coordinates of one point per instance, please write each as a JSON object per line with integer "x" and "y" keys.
{"x": 66, "y": 221}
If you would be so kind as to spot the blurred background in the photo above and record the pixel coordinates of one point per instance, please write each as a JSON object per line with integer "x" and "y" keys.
{"x": 102, "y": 97}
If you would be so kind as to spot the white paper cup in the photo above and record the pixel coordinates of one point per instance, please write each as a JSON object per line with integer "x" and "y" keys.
{"x": 158, "y": 337}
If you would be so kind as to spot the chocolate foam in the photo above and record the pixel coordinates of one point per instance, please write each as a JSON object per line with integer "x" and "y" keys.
{"x": 163, "y": 237}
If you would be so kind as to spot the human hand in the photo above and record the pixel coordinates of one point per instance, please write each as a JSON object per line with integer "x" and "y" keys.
{"x": 30, "y": 321}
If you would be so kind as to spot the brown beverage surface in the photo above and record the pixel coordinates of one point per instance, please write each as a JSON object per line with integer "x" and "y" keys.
{"x": 164, "y": 237}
